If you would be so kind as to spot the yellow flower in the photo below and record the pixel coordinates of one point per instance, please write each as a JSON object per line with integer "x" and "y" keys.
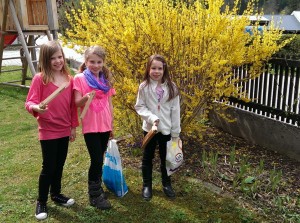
{"x": 200, "y": 42}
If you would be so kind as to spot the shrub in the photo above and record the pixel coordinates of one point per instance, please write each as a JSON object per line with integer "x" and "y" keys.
{"x": 292, "y": 48}
{"x": 200, "y": 41}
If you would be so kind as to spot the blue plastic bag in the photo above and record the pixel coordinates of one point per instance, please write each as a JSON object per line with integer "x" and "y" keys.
{"x": 112, "y": 175}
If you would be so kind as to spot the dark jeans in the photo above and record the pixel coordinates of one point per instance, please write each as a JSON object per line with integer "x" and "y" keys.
{"x": 54, "y": 154}
{"x": 149, "y": 152}
{"x": 96, "y": 144}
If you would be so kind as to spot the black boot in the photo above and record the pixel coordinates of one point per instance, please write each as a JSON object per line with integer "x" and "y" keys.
{"x": 166, "y": 182}
{"x": 168, "y": 190}
{"x": 147, "y": 183}
{"x": 147, "y": 192}
{"x": 97, "y": 197}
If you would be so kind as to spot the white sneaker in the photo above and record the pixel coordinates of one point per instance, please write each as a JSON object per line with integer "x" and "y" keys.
{"x": 41, "y": 212}
{"x": 62, "y": 200}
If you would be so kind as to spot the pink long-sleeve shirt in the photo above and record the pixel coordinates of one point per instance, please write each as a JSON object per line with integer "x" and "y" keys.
{"x": 61, "y": 115}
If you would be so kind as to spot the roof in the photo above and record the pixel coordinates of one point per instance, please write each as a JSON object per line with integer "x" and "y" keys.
{"x": 288, "y": 23}
{"x": 260, "y": 18}
{"x": 296, "y": 14}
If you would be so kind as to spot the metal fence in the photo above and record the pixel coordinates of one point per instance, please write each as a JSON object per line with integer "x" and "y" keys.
{"x": 274, "y": 94}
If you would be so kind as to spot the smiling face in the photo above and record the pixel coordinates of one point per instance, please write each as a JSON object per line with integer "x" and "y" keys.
{"x": 94, "y": 63}
{"x": 156, "y": 71}
{"x": 57, "y": 61}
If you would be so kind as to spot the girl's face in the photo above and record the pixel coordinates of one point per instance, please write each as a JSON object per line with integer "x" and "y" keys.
{"x": 156, "y": 71}
{"x": 94, "y": 63}
{"x": 57, "y": 61}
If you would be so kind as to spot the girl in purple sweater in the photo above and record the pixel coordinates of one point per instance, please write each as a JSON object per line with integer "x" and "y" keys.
{"x": 57, "y": 123}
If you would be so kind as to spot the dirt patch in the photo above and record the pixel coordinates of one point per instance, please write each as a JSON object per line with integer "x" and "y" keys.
{"x": 266, "y": 180}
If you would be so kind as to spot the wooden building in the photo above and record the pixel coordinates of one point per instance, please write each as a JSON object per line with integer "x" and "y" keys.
{"x": 26, "y": 19}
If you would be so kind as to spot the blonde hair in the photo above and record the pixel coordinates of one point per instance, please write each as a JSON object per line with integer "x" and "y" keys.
{"x": 47, "y": 50}
{"x": 100, "y": 52}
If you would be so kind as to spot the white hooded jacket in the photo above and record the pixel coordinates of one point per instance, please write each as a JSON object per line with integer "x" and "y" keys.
{"x": 168, "y": 114}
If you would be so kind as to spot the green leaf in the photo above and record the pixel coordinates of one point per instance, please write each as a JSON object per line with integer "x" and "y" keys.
{"x": 249, "y": 180}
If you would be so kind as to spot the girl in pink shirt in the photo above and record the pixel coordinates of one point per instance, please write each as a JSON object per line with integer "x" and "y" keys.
{"x": 57, "y": 123}
{"x": 97, "y": 124}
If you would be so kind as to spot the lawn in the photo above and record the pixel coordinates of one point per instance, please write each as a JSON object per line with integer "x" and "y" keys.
{"x": 20, "y": 159}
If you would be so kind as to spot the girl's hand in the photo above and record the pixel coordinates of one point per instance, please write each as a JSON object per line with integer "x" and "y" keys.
{"x": 111, "y": 135}
{"x": 73, "y": 135}
{"x": 80, "y": 99}
{"x": 39, "y": 109}
{"x": 155, "y": 124}
{"x": 154, "y": 128}
{"x": 86, "y": 97}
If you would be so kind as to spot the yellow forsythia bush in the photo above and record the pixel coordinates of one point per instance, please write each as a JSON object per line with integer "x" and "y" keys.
{"x": 201, "y": 43}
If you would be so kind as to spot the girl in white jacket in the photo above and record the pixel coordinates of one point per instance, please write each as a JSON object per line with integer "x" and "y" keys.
{"x": 158, "y": 105}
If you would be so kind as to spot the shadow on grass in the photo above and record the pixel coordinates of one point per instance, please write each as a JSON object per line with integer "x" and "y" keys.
{"x": 194, "y": 203}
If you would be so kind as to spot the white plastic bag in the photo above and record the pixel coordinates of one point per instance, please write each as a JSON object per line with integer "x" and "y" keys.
{"x": 112, "y": 175}
{"x": 174, "y": 157}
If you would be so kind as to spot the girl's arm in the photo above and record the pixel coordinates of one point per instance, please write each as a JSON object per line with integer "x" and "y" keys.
{"x": 79, "y": 99}
{"x": 111, "y": 107}
{"x": 142, "y": 109}
{"x": 37, "y": 109}
{"x": 175, "y": 117}
{"x": 74, "y": 110}
{"x": 34, "y": 97}
{"x": 73, "y": 135}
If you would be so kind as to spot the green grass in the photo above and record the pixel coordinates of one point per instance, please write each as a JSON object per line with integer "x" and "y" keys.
{"x": 13, "y": 75}
{"x": 20, "y": 159}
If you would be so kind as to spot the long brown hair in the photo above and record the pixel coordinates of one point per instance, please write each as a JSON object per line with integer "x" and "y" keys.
{"x": 100, "y": 52}
{"x": 173, "y": 90}
{"x": 46, "y": 52}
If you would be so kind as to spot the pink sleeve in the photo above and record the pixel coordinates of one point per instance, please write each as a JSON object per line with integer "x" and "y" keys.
{"x": 111, "y": 92}
{"x": 74, "y": 111}
{"x": 77, "y": 83}
{"x": 34, "y": 94}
